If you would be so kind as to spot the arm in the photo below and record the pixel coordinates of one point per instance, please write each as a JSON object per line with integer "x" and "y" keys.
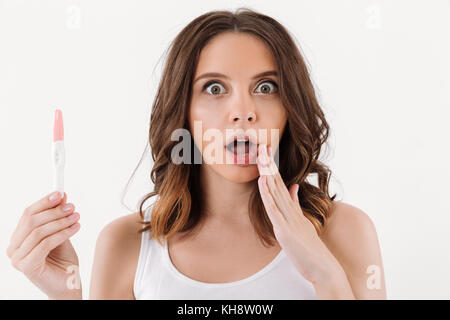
{"x": 348, "y": 247}
{"x": 115, "y": 261}
{"x": 351, "y": 237}
{"x": 336, "y": 287}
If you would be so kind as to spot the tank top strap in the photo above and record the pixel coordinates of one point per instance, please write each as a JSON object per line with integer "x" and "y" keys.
{"x": 144, "y": 253}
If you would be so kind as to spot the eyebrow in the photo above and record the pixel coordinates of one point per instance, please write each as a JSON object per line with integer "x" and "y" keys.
{"x": 220, "y": 75}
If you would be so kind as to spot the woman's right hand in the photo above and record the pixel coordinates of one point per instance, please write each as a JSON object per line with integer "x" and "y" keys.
{"x": 41, "y": 249}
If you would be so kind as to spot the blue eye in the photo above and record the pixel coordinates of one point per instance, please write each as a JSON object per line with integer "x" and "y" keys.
{"x": 272, "y": 86}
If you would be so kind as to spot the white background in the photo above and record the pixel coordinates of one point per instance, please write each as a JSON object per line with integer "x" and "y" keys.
{"x": 381, "y": 69}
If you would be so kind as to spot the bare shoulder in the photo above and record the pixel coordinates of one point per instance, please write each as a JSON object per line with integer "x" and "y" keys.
{"x": 345, "y": 220}
{"x": 352, "y": 238}
{"x": 347, "y": 228}
{"x": 116, "y": 256}
{"x": 123, "y": 228}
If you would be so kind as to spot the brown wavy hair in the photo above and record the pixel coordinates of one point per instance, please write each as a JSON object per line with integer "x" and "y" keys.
{"x": 179, "y": 207}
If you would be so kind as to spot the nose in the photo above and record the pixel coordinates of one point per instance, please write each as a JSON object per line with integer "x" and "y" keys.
{"x": 250, "y": 117}
{"x": 243, "y": 111}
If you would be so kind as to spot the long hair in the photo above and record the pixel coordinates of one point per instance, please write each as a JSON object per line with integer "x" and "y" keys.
{"x": 179, "y": 206}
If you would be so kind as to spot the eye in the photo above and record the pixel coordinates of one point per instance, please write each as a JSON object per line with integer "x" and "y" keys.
{"x": 215, "y": 87}
{"x": 266, "y": 88}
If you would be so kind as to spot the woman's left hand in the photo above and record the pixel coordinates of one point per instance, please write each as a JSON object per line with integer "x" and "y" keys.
{"x": 294, "y": 232}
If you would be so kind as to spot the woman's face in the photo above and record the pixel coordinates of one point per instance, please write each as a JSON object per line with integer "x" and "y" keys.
{"x": 240, "y": 100}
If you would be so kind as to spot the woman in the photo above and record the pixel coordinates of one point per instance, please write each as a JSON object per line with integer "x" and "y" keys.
{"x": 221, "y": 229}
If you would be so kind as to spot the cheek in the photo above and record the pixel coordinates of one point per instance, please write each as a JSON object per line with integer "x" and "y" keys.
{"x": 274, "y": 118}
{"x": 205, "y": 110}
{"x": 203, "y": 117}
{"x": 279, "y": 117}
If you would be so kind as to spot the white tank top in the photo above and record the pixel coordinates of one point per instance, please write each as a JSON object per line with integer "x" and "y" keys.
{"x": 157, "y": 278}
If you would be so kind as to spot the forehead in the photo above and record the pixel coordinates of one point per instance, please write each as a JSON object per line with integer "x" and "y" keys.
{"x": 235, "y": 54}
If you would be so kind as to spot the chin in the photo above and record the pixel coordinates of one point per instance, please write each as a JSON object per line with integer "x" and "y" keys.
{"x": 238, "y": 173}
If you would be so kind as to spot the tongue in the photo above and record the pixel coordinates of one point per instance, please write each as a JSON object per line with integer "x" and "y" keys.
{"x": 241, "y": 148}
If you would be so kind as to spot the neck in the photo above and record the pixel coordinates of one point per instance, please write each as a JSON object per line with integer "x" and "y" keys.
{"x": 224, "y": 200}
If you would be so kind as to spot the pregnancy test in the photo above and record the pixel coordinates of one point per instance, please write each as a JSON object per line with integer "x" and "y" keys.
{"x": 58, "y": 153}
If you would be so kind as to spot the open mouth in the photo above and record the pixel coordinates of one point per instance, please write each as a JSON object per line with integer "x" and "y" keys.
{"x": 243, "y": 150}
{"x": 240, "y": 147}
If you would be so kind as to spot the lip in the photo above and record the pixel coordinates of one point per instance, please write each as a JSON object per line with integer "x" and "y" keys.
{"x": 242, "y": 161}
{"x": 241, "y": 136}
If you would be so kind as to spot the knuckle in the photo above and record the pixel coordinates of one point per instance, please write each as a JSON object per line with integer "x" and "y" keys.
{"x": 25, "y": 267}
{"x": 54, "y": 214}
{"x": 16, "y": 264}
{"x": 36, "y": 234}
{"x": 9, "y": 251}
{"x": 27, "y": 211}
{"x": 272, "y": 207}
{"x": 62, "y": 213}
{"x": 59, "y": 212}
{"x": 50, "y": 242}
{"x": 275, "y": 180}
{"x": 46, "y": 244}
{"x": 61, "y": 223}
{"x": 69, "y": 231}
{"x": 29, "y": 223}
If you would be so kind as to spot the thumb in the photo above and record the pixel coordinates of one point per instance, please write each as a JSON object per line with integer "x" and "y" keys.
{"x": 63, "y": 200}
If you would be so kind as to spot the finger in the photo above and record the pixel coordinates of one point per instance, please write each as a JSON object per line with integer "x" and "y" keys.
{"x": 295, "y": 188}
{"x": 33, "y": 219}
{"x": 41, "y": 251}
{"x": 276, "y": 174}
{"x": 297, "y": 200}
{"x": 40, "y": 233}
{"x": 278, "y": 198}
{"x": 261, "y": 161}
{"x": 293, "y": 192}
{"x": 272, "y": 166}
{"x": 51, "y": 215}
{"x": 264, "y": 166}
{"x": 275, "y": 216}
{"x": 44, "y": 204}
{"x": 278, "y": 183}
{"x": 280, "y": 193}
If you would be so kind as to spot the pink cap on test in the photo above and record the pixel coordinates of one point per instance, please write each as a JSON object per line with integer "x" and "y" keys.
{"x": 58, "y": 128}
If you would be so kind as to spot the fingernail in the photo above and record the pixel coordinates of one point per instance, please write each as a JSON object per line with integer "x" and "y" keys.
{"x": 67, "y": 208}
{"x": 54, "y": 196}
